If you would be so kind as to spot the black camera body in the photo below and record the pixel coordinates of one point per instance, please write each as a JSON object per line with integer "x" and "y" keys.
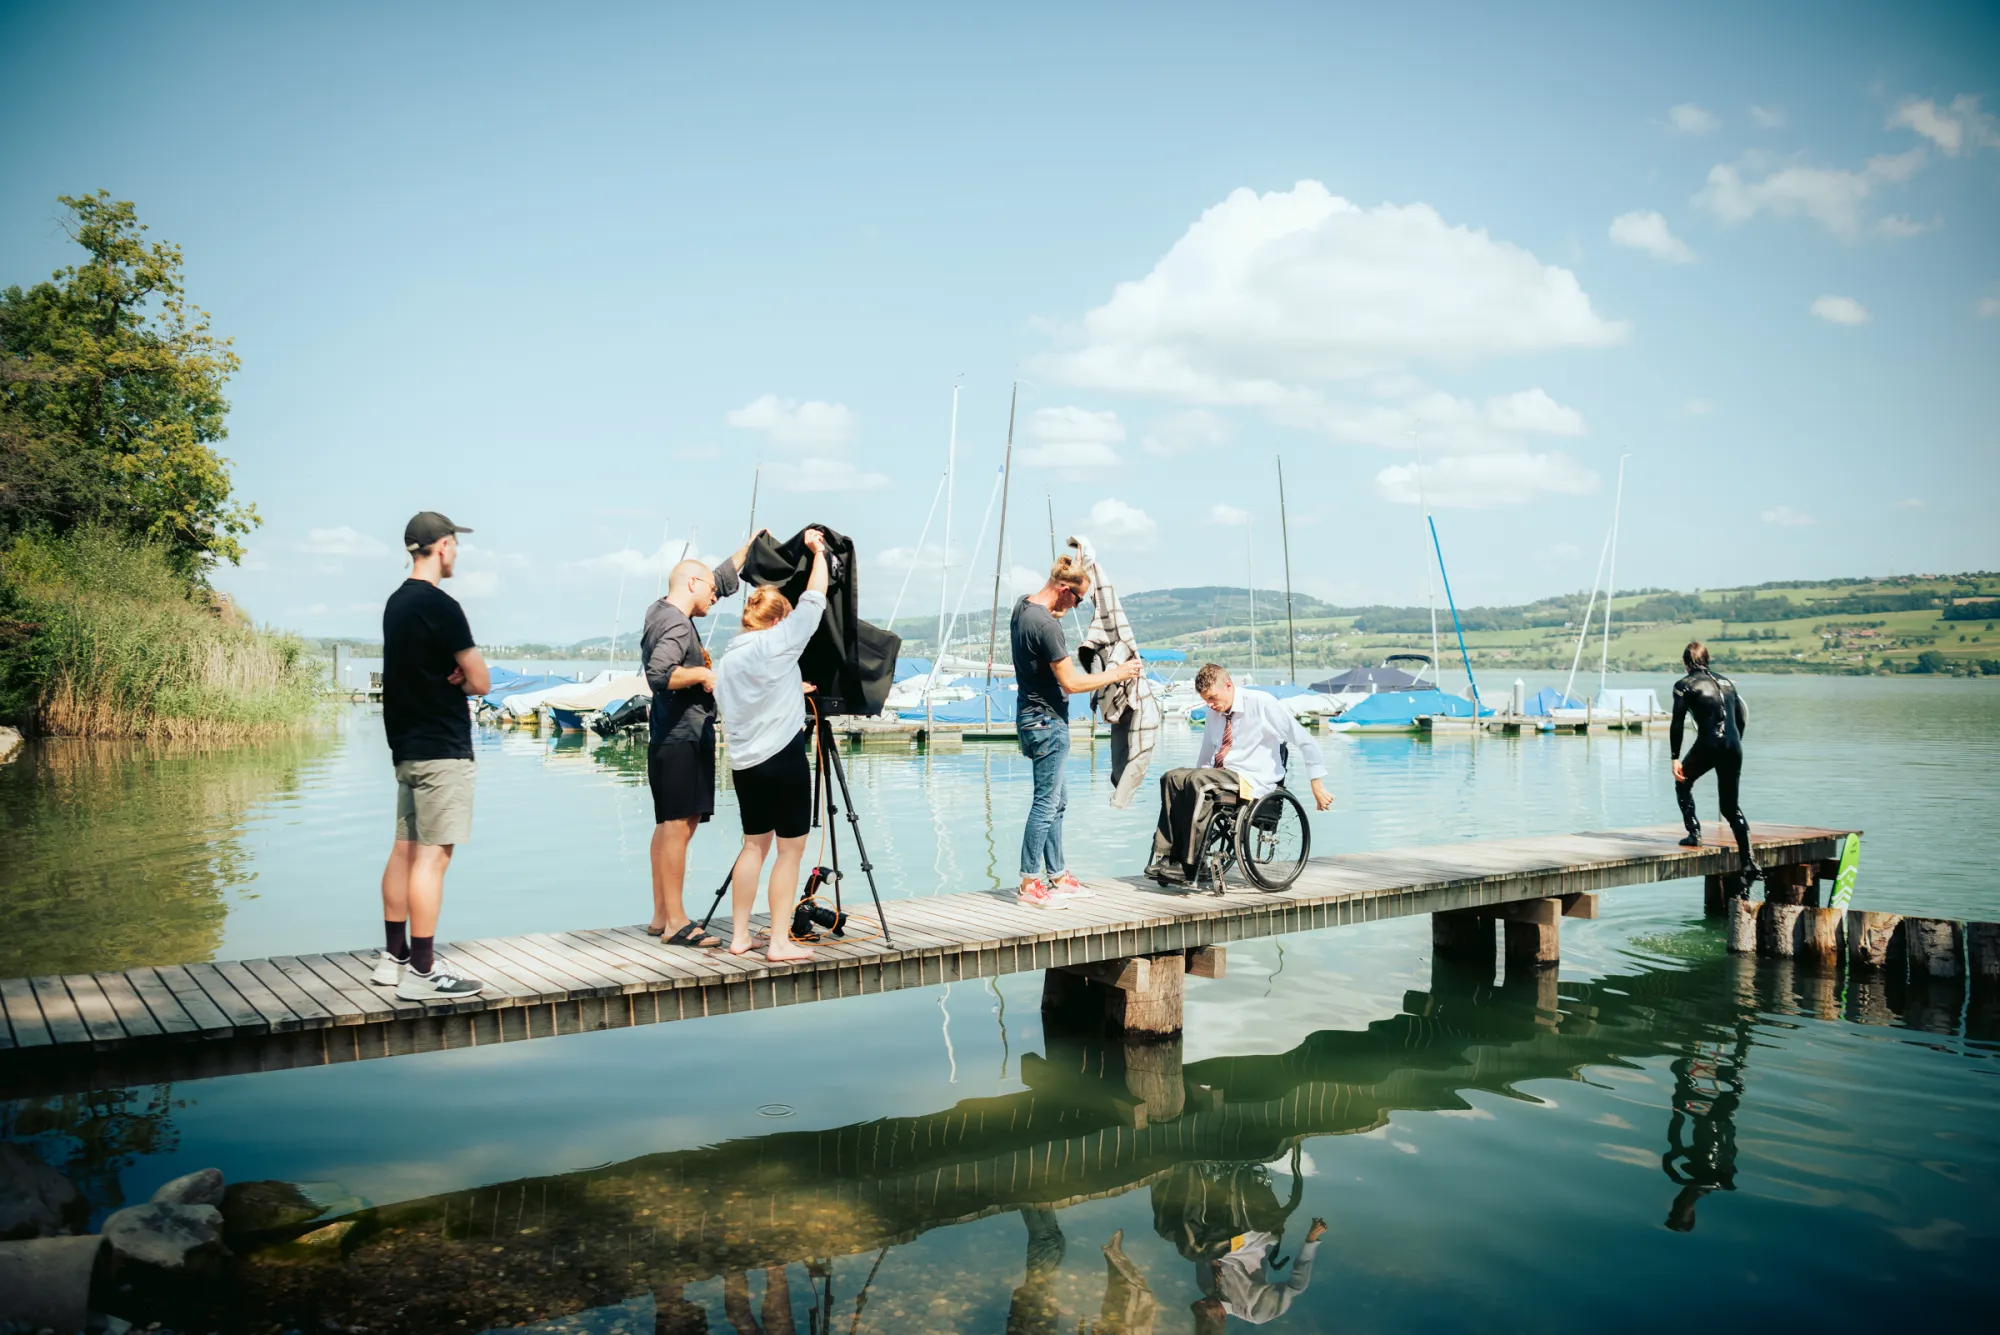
{"x": 809, "y": 917}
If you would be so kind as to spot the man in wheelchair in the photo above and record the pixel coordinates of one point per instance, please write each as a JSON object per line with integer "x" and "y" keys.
{"x": 1238, "y": 778}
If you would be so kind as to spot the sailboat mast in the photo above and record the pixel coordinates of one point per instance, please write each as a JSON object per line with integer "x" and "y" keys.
{"x": 1000, "y": 547}
{"x": 1250, "y": 583}
{"x": 1285, "y": 533}
{"x": 1611, "y": 578}
{"x": 944, "y": 575}
{"x": 1456, "y": 625}
{"x": 1430, "y": 581}
{"x": 750, "y": 530}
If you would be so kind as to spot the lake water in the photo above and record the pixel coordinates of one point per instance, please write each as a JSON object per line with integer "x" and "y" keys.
{"x": 1685, "y": 1138}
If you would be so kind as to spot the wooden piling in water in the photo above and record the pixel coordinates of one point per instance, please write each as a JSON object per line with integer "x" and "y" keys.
{"x": 1743, "y": 926}
{"x": 1534, "y": 934}
{"x": 1982, "y": 953}
{"x": 1819, "y": 937}
{"x": 1874, "y": 940}
{"x": 1778, "y": 929}
{"x": 1715, "y": 896}
{"x": 1934, "y": 947}
{"x": 1794, "y": 883}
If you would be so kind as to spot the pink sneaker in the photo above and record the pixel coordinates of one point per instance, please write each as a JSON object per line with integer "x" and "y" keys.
{"x": 1035, "y": 895}
{"x": 1067, "y": 886}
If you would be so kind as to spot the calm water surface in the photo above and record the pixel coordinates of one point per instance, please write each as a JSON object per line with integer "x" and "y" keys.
{"x": 1674, "y": 1136}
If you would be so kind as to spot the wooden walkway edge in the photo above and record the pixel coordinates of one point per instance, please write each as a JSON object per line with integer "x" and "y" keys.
{"x": 187, "y": 1021}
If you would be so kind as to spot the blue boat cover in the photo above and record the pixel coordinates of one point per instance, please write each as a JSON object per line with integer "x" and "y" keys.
{"x": 1390, "y": 708}
{"x": 1164, "y": 655}
{"x": 1003, "y": 694}
{"x": 507, "y": 683}
{"x": 911, "y": 667}
{"x": 1547, "y": 700}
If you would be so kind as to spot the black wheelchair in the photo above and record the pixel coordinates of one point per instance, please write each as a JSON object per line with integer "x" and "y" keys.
{"x": 1268, "y": 837}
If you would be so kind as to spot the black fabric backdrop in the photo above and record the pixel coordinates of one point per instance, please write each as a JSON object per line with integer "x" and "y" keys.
{"x": 851, "y": 662}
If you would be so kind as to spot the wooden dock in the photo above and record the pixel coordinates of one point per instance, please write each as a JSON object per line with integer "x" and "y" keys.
{"x": 84, "y": 1031}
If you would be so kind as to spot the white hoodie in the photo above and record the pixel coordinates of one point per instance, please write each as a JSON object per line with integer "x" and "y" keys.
{"x": 758, "y": 687}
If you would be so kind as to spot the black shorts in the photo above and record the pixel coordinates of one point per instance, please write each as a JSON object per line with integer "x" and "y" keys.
{"x": 682, "y": 777}
{"x": 775, "y": 795}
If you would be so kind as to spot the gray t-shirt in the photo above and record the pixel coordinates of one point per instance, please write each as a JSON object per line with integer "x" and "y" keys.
{"x": 669, "y": 641}
{"x": 1038, "y": 646}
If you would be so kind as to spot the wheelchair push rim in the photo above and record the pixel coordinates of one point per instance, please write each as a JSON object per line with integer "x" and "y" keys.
{"x": 1273, "y": 840}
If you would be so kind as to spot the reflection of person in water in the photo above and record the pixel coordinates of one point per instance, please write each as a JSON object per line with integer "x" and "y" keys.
{"x": 1034, "y": 1310}
{"x": 777, "y": 1303}
{"x": 1129, "y": 1306}
{"x": 1227, "y": 1220}
{"x": 1708, "y": 1086}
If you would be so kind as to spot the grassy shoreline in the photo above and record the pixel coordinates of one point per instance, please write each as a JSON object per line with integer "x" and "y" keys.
{"x": 103, "y": 638}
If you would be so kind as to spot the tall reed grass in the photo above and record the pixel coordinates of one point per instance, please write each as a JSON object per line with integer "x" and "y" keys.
{"x": 113, "y": 643}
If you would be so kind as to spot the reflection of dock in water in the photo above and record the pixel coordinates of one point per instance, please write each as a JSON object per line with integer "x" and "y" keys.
{"x": 1103, "y": 1117}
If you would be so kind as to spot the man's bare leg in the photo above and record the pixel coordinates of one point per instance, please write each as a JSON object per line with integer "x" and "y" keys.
{"x": 396, "y": 882}
{"x": 785, "y": 885}
{"x": 669, "y": 859}
{"x": 428, "y": 863}
{"x": 743, "y": 890}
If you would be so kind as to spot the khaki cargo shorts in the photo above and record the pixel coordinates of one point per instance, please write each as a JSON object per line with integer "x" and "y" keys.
{"x": 434, "y": 801}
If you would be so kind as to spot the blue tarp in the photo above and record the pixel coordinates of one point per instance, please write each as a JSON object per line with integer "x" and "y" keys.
{"x": 911, "y": 667}
{"x": 1547, "y": 700}
{"x": 1392, "y": 708}
{"x": 973, "y": 710}
{"x": 507, "y": 683}
{"x": 1163, "y": 655}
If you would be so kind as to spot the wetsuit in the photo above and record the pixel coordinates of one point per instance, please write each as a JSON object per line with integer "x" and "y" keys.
{"x": 1719, "y": 722}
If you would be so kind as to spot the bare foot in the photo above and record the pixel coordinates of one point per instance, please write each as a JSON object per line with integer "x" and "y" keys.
{"x": 787, "y": 953}
{"x": 738, "y": 946}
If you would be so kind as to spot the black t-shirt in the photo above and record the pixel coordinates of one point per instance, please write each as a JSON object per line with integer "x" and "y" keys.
{"x": 423, "y": 631}
{"x": 1038, "y": 646}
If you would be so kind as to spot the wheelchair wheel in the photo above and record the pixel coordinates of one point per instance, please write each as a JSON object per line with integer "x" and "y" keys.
{"x": 1273, "y": 840}
{"x": 1218, "y": 853}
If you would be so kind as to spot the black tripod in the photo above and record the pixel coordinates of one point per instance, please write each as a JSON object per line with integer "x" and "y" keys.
{"x": 826, "y": 756}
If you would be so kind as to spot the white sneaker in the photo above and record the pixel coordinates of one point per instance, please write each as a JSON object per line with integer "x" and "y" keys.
{"x": 388, "y": 970}
{"x": 1067, "y": 886}
{"x": 1035, "y": 895}
{"x": 439, "y": 985}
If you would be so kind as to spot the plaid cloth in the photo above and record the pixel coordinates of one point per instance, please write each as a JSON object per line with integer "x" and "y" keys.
{"x": 1130, "y": 707}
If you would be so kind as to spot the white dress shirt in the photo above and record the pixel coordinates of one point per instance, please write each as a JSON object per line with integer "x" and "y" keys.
{"x": 758, "y": 686}
{"x": 1258, "y": 726}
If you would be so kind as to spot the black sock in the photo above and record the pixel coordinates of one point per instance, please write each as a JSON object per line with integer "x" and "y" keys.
{"x": 399, "y": 943}
{"x": 420, "y": 953}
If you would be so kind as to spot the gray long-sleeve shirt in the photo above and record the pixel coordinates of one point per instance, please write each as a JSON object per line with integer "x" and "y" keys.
{"x": 669, "y": 641}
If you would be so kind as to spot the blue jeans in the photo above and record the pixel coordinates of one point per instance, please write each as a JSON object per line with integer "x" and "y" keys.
{"x": 1045, "y": 741}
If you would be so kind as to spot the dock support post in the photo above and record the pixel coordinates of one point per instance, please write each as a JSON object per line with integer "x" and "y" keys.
{"x": 1715, "y": 896}
{"x": 1874, "y": 940}
{"x": 1819, "y": 937}
{"x": 1793, "y": 883}
{"x": 1934, "y": 947}
{"x": 1534, "y": 934}
{"x": 1778, "y": 929}
{"x": 1138, "y": 997}
{"x": 1464, "y": 938}
{"x": 1742, "y": 926}
{"x": 1982, "y": 952}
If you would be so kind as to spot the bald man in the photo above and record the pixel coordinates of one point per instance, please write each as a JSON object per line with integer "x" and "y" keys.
{"x": 680, "y": 767}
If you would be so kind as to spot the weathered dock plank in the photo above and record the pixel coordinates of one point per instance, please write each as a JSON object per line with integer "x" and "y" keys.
{"x": 198, "y": 1019}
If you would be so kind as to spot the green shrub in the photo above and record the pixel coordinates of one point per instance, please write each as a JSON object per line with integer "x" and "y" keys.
{"x": 100, "y": 636}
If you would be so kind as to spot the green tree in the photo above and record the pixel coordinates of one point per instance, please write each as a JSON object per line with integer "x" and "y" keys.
{"x": 111, "y": 397}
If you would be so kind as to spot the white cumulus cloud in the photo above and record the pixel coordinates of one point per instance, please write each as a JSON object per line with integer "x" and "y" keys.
{"x": 1767, "y": 118}
{"x": 1691, "y": 119}
{"x": 1075, "y": 441}
{"x": 1485, "y": 481}
{"x": 1227, "y": 516}
{"x": 1187, "y": 432}
{"x": 1960, "y": 127}
{"x": 1114, "y": 524}
{"x": 1831, "y": 196}
{"x": 1989, "y": 306}
{"x": 341, "y": 541}
{"x": 1840, "y": 310}
{"x": 813, "y": 425}
{"x": 1896, "y": 227}
{"x": 1645, "y": 230}
{"x": 1784, "y": 516}
{"x": 1265, "y": 294}
{"x": 1910, "y": 503}
{"x": 1697, "y": 407}
{"x": 815, "y": 473}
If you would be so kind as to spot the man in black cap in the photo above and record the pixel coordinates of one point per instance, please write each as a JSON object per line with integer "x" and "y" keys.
{"x": 430, "y": 664}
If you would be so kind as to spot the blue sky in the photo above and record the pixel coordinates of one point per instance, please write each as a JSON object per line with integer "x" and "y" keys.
{"x": 569, "y": 279}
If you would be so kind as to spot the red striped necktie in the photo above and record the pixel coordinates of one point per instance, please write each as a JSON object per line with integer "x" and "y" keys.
{"x": 1222, "y": 749}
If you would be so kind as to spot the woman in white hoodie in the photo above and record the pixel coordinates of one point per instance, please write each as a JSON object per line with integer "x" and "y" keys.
{"x": 762, "y": 699}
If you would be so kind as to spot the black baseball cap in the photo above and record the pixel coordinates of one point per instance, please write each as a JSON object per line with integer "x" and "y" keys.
{"x": 426, "y": 527}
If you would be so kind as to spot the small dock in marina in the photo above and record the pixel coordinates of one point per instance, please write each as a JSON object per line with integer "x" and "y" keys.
{"x": 1124, "y": 952}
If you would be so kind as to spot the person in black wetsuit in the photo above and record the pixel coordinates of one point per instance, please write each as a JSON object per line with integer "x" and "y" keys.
{"x": 1719, "y": 723}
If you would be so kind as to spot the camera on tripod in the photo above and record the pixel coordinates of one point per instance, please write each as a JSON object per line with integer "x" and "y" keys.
{"x": 810, "y": 916}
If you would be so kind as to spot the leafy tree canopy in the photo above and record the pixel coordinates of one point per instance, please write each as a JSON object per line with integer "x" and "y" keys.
{"x": 111, "y": 397}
